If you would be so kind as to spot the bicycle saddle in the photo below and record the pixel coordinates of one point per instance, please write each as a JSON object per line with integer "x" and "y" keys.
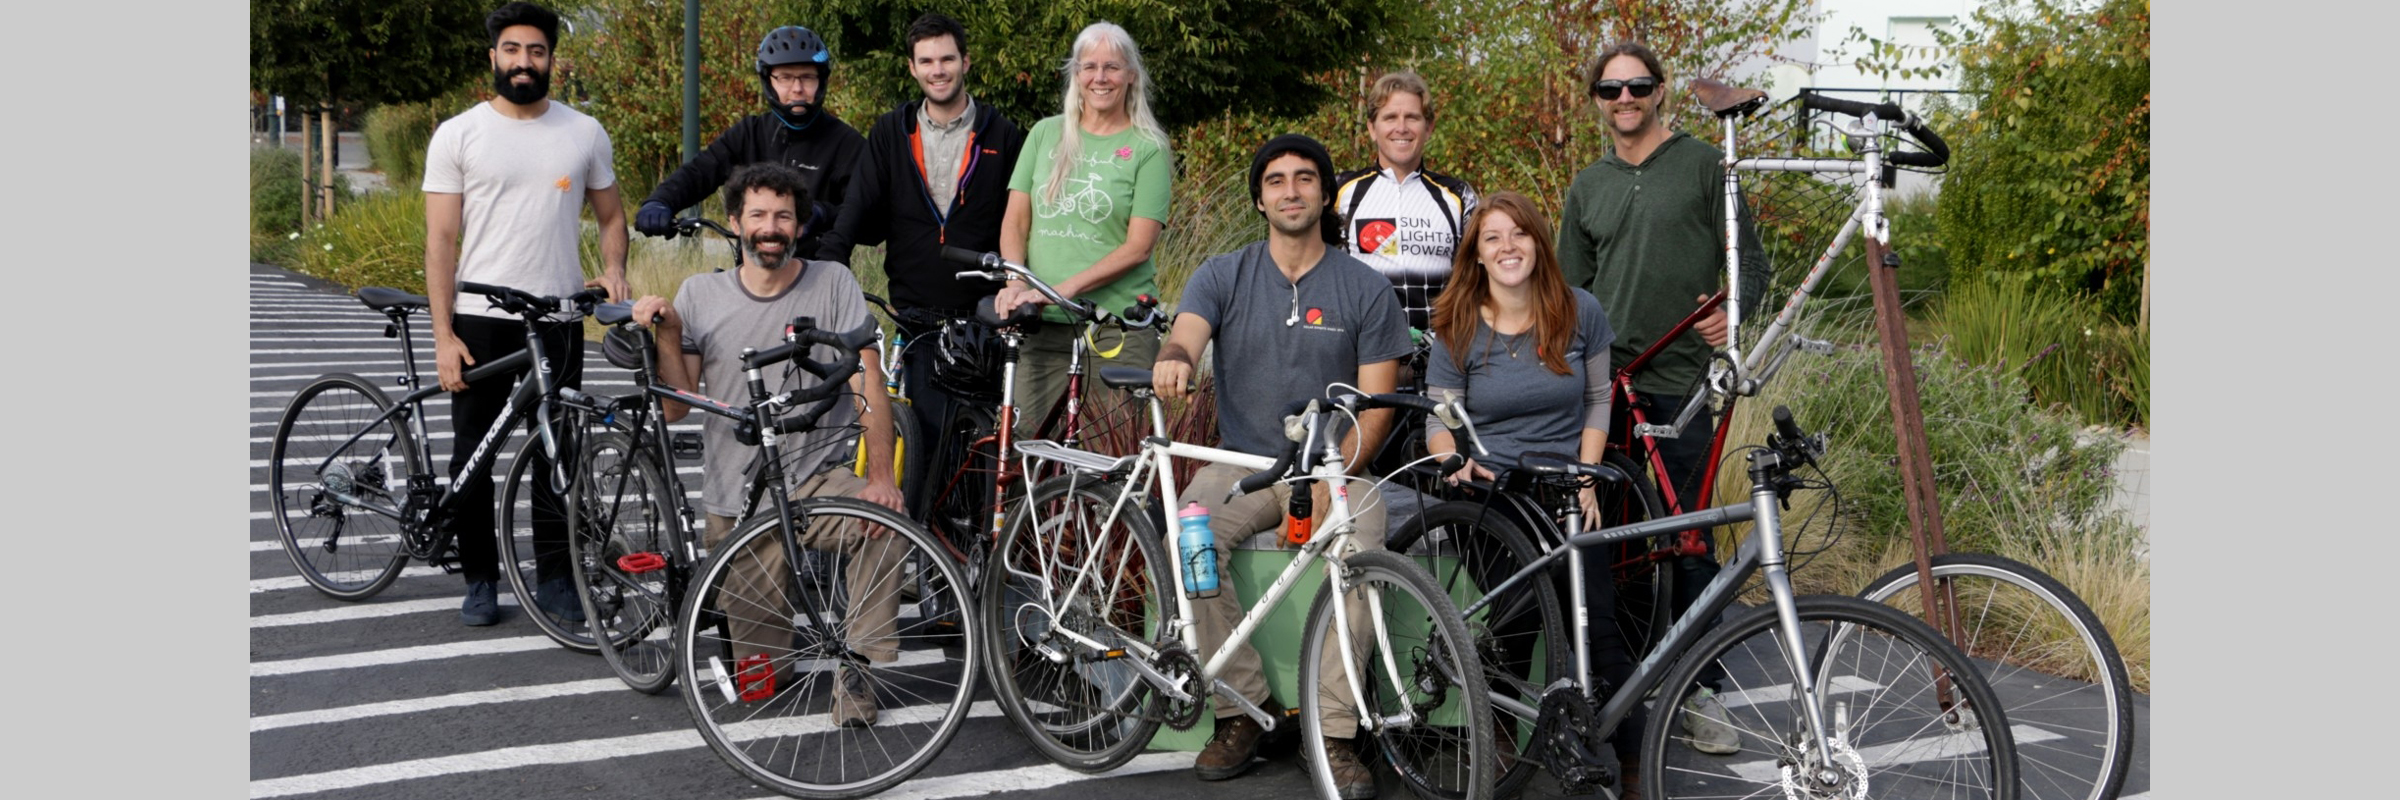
{"x": 1541, "y": 463}
{"x": 1120, "y": 377}
{"x": 1726, "y": 101}
{"x": 387, "y": 299}
{"x": 1026, "y": 317}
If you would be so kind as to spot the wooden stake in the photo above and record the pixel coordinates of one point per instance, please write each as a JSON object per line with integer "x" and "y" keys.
{"x": 325, "y": 132}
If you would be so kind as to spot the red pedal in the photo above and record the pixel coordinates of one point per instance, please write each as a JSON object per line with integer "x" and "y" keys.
{"x": 641, "y": 562}
{"x": 754, "y": 675}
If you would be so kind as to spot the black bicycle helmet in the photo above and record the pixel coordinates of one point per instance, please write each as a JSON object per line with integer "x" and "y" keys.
{"x": 792, "y": 44}
{"x": 966, "y": 362}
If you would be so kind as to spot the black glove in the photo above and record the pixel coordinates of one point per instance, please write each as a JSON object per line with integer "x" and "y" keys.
{"x": 655, "y": 219}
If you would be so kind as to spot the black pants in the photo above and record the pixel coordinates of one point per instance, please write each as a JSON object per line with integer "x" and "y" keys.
{"x": 1686, "y": 457}
{"x": 929, "y": 463}
{"x": 473, "y": 411}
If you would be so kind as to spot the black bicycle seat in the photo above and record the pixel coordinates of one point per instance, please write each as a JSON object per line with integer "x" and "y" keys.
{"x": 1542, "y": 463}
{"x": 387, "y": 299}
{"x": 613, "y": 313}
{"x": 1121, "y": 377}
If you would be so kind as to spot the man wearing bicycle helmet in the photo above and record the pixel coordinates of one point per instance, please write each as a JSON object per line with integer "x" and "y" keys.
{"x": 796, "y": 130}
{"x": 935, "y": 174}
{"x": 505, "y": 186}
{"x": 717, "y": 315}
{"x": 1643, "y": 230}
{"x": 1342, "y": 325}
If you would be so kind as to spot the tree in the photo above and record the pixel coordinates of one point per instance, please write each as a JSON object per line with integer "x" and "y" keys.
{"x": 365, "y": 52}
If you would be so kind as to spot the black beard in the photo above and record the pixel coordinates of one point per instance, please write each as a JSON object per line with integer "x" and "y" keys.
{"x": 521, "y": 95}
{"x": 762, "y": 260}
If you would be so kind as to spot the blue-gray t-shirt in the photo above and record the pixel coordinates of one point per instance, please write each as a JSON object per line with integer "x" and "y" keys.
{"x": 1279, "y": 341}
{"x": 1518, "y": 404}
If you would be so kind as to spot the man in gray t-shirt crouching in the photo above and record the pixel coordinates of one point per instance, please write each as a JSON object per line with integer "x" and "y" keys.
{"x": 715, "y": 316}
{"x": 1289, "y": 315}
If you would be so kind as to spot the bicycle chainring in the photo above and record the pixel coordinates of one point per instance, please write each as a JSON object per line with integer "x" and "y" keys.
{"x": 1564, "y": 748}
{"x": 1176, "y": 662}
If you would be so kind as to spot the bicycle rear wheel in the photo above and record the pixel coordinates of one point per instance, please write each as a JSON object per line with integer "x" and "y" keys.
{"x": 532, "y": 525}
{"x": 819, "y": 687}
{"x": 2057, "y": 671}
{"x": 1428, "y": 711}
{"x": 620, "y": 508}
{"x": 1060, "y": 567}
{"x": 321, "y": 484}
{"x": 1645, "y": 580}
{"x": 1889, "y": 731}
{"x": 1520, "y": 636}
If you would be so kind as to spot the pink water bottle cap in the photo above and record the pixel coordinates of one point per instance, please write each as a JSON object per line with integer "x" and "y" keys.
{"x": 1193, "y": 509}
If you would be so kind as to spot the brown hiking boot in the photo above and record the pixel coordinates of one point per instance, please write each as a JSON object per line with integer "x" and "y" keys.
{"x": 1351, "y": 779}
{"x": 1228, "y": 752}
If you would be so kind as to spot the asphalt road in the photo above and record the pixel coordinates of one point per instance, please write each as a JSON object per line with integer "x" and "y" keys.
{"x": 393, "y": 698}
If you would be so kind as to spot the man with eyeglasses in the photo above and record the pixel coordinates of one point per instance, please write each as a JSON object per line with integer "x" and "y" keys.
{"x": 1643, "y": 229}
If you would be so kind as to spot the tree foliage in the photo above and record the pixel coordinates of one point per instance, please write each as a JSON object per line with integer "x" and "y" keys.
{"x": 365, "y": 52}
{"x": 2050, "y": 173}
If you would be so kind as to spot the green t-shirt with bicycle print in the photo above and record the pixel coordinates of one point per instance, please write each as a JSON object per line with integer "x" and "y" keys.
{"x": 1117, "y": 177}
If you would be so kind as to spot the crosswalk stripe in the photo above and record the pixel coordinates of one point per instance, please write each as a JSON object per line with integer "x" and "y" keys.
{"x": 401, "y": 655}
{"x": 357, "y": 611}
{"x": 1041, "y": 776}
{"x": 414, "y": 705}
{"x": 288, "y": 583}
{"x": 1948, "y": 745}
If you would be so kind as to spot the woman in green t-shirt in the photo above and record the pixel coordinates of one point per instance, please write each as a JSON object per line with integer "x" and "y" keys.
{"x": 1085, "y": 206}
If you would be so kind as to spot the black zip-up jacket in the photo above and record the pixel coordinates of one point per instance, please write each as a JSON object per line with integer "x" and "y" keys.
{"x": 888, "y": 204}
{"x": 826, "y": 153}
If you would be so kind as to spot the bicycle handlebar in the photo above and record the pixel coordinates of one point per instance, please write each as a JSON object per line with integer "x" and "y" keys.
{"x": 529, "y": 305}
{"x": 1450, "y": 412}
{"x": 1938, "y": 151}
{"x": 999, "y": 269}
{"x": 690, "y": 225}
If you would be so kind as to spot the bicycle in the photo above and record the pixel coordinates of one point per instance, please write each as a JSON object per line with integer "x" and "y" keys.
{"x": 355, "y": 497}
{"x": 1835, "y": 697}
{"x": 1089, "y": 657}
{"x": 1991, "y": 605}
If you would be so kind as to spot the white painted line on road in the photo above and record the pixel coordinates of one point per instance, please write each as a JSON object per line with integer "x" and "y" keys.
{"x": 974, "y": 784}
{"x": 1777, "y": 694}
{"x": 263, "y": 585}
{"x": 411, "y": 706}
{"x": 1949, "y": 745}
{"x": 574, "y": 753}
{"x": 357, "y": 611}
{"x": 402, "y": 655}
{"x": 323, "y": 366}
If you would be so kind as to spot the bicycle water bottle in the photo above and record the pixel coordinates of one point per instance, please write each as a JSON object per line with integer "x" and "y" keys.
{"x": 1198, "y": 545}
{"x": 891, "y": 377}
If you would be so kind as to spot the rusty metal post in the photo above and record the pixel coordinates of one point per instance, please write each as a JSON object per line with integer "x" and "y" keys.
{"x": 1908, "y": 426}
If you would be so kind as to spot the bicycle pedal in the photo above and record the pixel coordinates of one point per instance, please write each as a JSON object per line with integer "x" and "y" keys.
{"x": 638, "y": 563}
{"x": 754, "y": 675}
{"x": 686, "y": 445}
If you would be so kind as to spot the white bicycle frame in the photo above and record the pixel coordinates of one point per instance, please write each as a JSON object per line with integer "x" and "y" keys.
{"x": 1332, "y": 536}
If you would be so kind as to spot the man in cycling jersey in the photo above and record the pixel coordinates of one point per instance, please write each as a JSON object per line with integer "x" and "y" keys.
{"x": 935, "y": 174}
{"x": 1403, "y": 219}
{"x": 1643, "y": 230}
{"x": 717, "y": 315}
{"x": 1341, "y": 325}
{"x": 796, "y": 130}
{"x": 511, "y": 177}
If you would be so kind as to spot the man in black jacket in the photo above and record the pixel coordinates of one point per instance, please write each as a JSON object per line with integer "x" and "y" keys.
{"x": 793, "y": 68}
{"x": 935, "y": 173}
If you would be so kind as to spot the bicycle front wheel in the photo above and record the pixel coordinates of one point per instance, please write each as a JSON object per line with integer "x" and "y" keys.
{"x": 1520, "y": 636}
{"x": 1428, "y": 711}
{"x": 1645, "y": 579}
{"x": 2057, "y": 671}
{"x": 815, "y": 682}
{"x": 336, "y": 498}
{"x": 532, "y": 525}
{"x": 621, "y": 527}
{"x": 1062, "y": 577}
{"x": 1905, "y": 714}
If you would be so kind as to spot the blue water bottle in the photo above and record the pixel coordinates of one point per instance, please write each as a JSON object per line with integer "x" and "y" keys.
{"x": 1198, "y": 545}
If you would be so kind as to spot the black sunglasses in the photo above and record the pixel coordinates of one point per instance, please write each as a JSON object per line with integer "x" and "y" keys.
{"x": 1641, "y": 87}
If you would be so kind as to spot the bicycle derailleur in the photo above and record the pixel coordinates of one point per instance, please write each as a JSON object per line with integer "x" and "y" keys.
{"x": 1562, "y": 738}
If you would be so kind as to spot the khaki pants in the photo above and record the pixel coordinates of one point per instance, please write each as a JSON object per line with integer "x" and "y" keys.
{"x": 758, "y": 615}
{"x": 1042, "y": 367}
{"x": 1214, "y": 618}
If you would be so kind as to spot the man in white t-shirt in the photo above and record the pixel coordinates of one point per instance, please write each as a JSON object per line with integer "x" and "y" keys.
{"x": 511, "y": 176}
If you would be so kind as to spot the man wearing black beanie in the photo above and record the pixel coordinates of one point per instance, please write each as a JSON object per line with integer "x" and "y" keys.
{"x": 1342, "y": 325}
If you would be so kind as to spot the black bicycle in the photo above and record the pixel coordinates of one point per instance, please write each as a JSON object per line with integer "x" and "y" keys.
{"x": 355, "y": 493}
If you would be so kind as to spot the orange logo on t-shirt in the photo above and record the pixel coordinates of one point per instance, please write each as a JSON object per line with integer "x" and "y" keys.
{"x": 566, "y": 183}
{"x": 1316, "y": 316}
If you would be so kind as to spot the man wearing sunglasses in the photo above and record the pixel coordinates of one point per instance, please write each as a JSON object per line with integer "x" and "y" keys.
{"x": 1643, "y": 229}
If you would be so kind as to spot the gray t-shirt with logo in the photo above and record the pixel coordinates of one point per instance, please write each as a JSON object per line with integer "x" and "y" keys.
{"x": 1518, "y": 404}
{"x": 1277, "y": 341}
{"x": 720, "y": 317}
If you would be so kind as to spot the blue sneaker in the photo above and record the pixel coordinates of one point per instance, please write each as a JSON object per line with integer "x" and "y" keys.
{"x": 557, "y": 597}
{"x": 483, "y": 604}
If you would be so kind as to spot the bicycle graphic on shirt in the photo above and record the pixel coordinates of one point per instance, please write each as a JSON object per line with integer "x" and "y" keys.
{"x": 1090, "y": 201}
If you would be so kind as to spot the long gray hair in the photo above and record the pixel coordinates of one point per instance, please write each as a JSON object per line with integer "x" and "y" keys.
{"x": 1137, "y": 102}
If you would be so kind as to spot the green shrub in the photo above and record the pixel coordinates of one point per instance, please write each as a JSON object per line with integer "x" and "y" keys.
{"x": 396, "y": 137}
{"x": 275, "y": 202}
{"x": 373, "y": 240}
{"x": 2060, "y": 344}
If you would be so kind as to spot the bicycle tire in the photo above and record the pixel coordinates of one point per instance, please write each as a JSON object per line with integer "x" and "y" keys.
{"x": 1645, "y": 583}
{"x": 962, "y": 507}
{"x": 1520, "y": 639}
{"x": 619, "y": 506}
{"x": 2000, "y": 602}
{"x": 1091, "y": 715}
{"x": 1874, "y": 668}
{"x": 783, "y": 737}
{"x": 1437, "y": 684}
{"x": 520, "y": 554}
{"x": 316, "y": 531}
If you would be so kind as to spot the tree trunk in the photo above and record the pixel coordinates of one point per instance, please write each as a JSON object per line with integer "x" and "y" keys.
{"x": 325, "y": 132}
{"x": 308, "y": 184}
